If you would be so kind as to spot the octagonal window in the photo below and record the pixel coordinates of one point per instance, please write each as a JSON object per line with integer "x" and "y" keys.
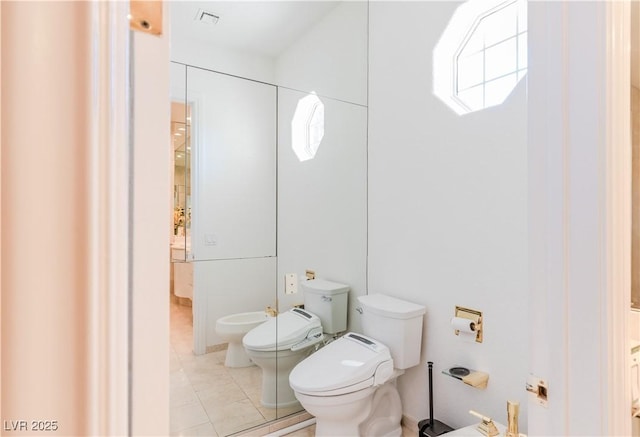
{"x": 307, "y": 127}
{"x": 482, "y": 54}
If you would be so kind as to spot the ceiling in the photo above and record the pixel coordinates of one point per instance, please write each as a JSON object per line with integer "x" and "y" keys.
{"x": 268, "y": 27}
{"x": 260, "y": 27}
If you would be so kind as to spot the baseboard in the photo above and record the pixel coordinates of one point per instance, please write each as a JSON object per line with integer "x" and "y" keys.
{"x": 408, "y": 422}
{"x": 184, "y": 301}
{"x": 276, "y": 425}
{"x": 217, "y": 348}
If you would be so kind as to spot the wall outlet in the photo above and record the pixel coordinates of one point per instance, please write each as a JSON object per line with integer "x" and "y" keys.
{"x": 290, "y": 283}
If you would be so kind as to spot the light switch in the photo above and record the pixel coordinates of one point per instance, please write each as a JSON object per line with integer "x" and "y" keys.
{"x": 210, "y": 240}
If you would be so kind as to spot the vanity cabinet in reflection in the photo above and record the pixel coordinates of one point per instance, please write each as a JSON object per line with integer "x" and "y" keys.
{"x": 182, "y": 274}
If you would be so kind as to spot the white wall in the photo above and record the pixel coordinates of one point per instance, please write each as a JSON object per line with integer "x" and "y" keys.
{"x": 322, "y": 213}
{"x": 211, "y": 57}
{"x": 331, "y": 58}
{"x": 447, "y": 215}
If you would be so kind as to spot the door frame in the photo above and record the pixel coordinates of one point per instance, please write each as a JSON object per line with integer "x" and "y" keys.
{"x": 579, "y": 215}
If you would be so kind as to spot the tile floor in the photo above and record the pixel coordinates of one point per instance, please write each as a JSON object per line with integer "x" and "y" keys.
{"x": 207, "y": 398}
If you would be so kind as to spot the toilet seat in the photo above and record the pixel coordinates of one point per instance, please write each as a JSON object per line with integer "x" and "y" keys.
{"x": 294, "y": 329}
{"x": 353, "y": 362}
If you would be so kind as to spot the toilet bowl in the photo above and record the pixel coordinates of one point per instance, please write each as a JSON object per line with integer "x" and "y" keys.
{"x": 232, "y": 329}
{"x": 349, "y": 385}
{"x": 277, "y": 346}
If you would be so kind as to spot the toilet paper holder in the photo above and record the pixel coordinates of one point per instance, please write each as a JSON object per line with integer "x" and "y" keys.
{"x": 476, "y": 320}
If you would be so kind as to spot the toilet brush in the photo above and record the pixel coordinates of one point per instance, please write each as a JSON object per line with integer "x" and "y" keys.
{"x": 431, "y": 427}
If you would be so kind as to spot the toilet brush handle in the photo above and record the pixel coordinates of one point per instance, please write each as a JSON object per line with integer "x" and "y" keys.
{"x": 430, "y": 364}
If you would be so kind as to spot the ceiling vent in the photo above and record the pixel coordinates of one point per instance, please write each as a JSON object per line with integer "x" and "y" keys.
{"x": 206, "y": 17}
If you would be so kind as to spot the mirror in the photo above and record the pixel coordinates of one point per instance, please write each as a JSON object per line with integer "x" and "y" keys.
{"x": 322, "y": 201}
{"x": 181, "y": 144}
{"x": 258, "y": 211}
{"x": 234, "y": 156}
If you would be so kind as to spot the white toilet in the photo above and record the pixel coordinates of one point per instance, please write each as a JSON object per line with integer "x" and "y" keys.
{"x": 232, "y": 329}
{"x": 282, "y": 342}
{"x": 349, "y": 385}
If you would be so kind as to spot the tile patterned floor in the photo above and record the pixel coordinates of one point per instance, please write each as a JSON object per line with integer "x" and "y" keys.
{"x": 207, "y": 398}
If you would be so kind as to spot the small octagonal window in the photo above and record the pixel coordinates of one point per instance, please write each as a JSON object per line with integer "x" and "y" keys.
{"x": 482, "y": 54}
{"x": 307, "y": 127}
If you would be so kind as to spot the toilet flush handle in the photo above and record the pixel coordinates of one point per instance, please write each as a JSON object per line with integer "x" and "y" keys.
{"x": 326, "y": 298}
{"x": 359, "y": 309}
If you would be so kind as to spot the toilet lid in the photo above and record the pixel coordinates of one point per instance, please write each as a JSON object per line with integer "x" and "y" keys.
{"x": 348, "y": 364}
{"x": 282, "y": 332}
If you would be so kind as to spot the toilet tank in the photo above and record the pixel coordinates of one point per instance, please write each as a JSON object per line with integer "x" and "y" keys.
{"x": 328, "y": 301}
{"x": 397, "y": 324}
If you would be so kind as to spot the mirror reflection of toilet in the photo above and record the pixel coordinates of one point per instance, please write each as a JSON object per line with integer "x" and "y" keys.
{"x": 349, "y": 385}
{"x": 279, "y": 344}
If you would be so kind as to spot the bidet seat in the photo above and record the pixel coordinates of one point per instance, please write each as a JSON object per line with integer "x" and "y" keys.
{"x": 351, "y": 363}
{"x": 349, "y": 385}
{"x": 314, "y": 336}
{"x": 283, "y": 332}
